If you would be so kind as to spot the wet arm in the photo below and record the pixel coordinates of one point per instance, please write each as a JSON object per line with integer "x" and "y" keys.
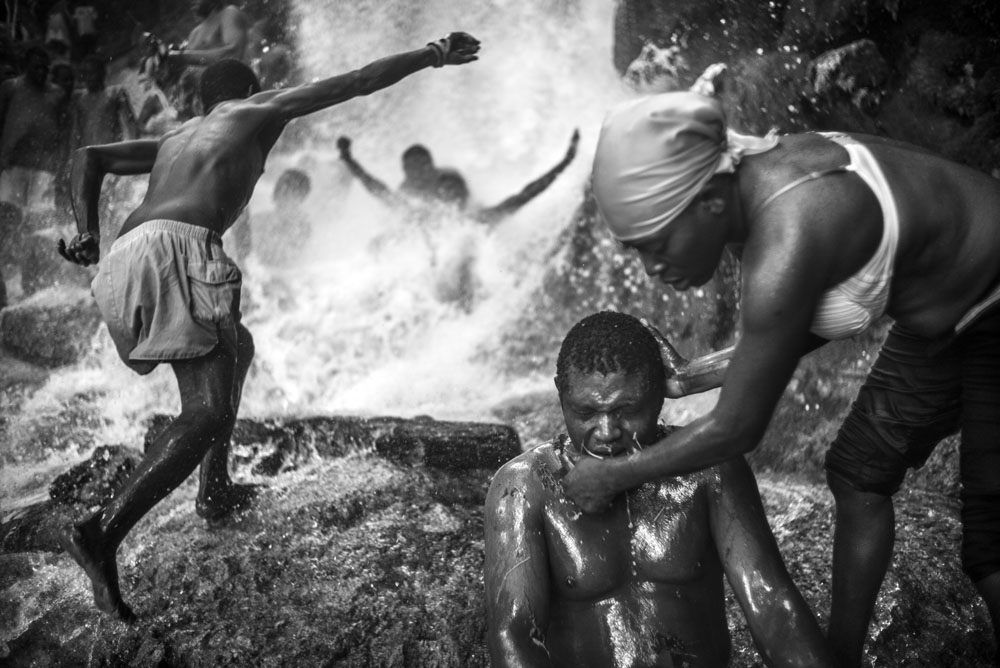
{"x": 92, "y": 163}
{"x": 371, "y": 184}
{"x": 686, "y": 377}
{"x": 782, "y": 625}
{"x": 516, "y": 569}
{"x": 311, "y": 97}
{"x": 494, "y": 214}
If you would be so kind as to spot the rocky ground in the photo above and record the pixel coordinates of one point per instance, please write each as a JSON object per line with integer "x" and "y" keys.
{"x": 357, "y": 556}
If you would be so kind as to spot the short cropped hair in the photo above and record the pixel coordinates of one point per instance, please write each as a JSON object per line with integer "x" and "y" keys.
{"x": 293, "y": 181}
{"x": 607, "y": 342}
{"x": 227, "y": 79}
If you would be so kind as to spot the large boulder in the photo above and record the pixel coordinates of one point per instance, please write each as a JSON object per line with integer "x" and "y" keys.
{"x": 265, "y": 447}
{"x": 926, "y": 73}
{"x": 52, "y": 327}
{"x": 72, "y": 494}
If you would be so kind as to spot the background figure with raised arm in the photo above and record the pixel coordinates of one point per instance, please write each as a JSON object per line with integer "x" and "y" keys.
{"x": 426, "y": 183}
{"x": 168, "y": 291}
{"x": 641, "y": 582}
{"x": 834, "y": 231}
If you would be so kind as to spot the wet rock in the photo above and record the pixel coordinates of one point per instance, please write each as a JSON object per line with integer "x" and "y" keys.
{"x": 270, "y": 446}
{"x": 73, "y": 494}
{"x": 396, "y": 580}
{"x": 943, "y": 71}
{"x": 36, "y": 528}
{"x": 707, "y": 31}
{"x": 93, "y": 483}
{"x": 811, "y": 26}
{"x": 853, "y": 76}
{"x": 763, "y": 92}
{"x": 925, "y": 73}
{"x": 52, "y": 327}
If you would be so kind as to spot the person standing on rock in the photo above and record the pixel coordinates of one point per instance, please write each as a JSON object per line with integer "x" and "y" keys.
{"x": 169, "y": 293}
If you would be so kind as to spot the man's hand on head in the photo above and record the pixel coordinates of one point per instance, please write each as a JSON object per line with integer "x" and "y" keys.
{"x": 456, "y": 49}
{"x": 588, "y": 485}
{"x": 673, "y": 361}
{"x": 84, "y": 249}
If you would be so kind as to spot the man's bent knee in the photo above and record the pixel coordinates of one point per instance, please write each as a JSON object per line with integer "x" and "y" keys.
{"x": 211, "y": 423}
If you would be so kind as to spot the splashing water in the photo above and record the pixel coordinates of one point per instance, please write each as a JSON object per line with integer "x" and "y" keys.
{"x": 379, "y": 332}
{"x": 365, "y": 321}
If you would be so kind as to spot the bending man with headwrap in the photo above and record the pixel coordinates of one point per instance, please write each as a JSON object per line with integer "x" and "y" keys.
{"x": 169, "y": 293}
{"x": 834, "y": 231}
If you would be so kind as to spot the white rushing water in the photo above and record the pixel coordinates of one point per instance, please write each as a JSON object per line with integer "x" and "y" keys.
{"x": 349, "y": 329}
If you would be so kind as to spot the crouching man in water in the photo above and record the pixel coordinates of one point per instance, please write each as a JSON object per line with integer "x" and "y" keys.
{"x": 169, "y": 293}
{"x": 639, "y": 584}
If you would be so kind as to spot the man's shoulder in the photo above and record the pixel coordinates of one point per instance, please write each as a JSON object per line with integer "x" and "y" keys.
{"x": 533, "y": 470}
{"x": 533, "y": 455}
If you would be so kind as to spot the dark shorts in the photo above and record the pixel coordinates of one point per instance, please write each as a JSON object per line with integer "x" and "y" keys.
{"x": 168, "y": 292}
{"x": 915, "y": 395}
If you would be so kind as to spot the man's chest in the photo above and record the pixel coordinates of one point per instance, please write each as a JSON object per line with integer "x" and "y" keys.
{"x": 659, "y": 535}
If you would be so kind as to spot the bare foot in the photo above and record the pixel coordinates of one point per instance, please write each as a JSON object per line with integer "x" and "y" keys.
{"x": 231, "y": 498}
{"x": 85, "y": 544}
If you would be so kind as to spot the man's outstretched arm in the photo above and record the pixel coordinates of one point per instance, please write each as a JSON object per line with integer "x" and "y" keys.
{"x": 782, "y": 625}
{"x": 371, "y": 184}
{"x": 90, "y": 165}
{"x": 494, "y": 214}
{"x": 455, "y": 49}
{"x": 516, "y": 568}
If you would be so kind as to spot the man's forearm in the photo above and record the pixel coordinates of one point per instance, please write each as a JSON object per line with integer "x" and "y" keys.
{"x": 86, "y": 177}
{"x": 700, "y": 374}
{"x": 389, "y": 70}
{"x": 371, "y": 184}
{"x": 697, "y": 446}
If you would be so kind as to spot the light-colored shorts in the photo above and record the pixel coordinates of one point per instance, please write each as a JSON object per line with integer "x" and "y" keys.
{"x": 168, "y": 292}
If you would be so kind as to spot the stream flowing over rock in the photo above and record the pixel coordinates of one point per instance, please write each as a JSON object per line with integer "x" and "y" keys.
{"x": 349, "y": 558}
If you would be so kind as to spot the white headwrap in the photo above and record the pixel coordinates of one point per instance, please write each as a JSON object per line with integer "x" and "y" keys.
{"x": 656, "y": 153}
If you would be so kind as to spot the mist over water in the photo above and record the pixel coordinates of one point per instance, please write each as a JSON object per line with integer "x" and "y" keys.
{"x": 364, "y": 331}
